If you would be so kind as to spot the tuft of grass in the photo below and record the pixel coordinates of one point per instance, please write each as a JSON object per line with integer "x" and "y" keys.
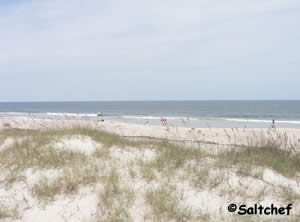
{"x": 32, "y": 152}
{"x": 147, "y": 171}
{"x": 70, "y": 181}
{"x": 114, "y": 199}
{"x": 131, "y": 169}
{"x": 46, "y": 189}
{"x": 290, "y": 196}
{"x": 199, "y": 176}
{"x": 7, "y": 212}
{"x": 283, "y": 161}
{"x": 172, "y": 156}
{"x": 166, "y": 205}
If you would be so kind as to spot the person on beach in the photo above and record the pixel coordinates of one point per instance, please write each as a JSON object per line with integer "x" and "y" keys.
{"x": 273, "y": 124}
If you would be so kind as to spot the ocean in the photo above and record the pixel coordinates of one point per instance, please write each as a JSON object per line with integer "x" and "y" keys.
{"x": 228, "y": 114}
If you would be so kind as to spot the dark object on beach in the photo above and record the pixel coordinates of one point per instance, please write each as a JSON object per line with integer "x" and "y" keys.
{"x": 100, "y": 115}
{"x": 273, "y": 124}
{"x": 6, "y": 125}
{"x": 163, "y": 121}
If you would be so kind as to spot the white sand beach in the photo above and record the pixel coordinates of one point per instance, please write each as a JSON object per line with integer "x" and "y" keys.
{"x": 222, "y": 136}
{"x": 140, "y": 173}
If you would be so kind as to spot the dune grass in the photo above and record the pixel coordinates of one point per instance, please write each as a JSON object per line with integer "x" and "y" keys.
{"x": 167, "y": 205}
{"x": 69, "y": 182}
{"x": 32, "y": 149}
{"x": 170, "y": 157}
{"x": 115, "y": 199}
{"x": 8, "y": 212}
{"x": 283, "y": 161}
{"x": 33, "y": 153}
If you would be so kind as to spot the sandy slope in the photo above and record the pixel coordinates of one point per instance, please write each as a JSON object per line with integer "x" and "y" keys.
{"x": 82, "y": 206}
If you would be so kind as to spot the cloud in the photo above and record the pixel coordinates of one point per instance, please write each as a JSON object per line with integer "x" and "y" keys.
{"x": 117, "y": 31}
{"x": 142, "y": 39}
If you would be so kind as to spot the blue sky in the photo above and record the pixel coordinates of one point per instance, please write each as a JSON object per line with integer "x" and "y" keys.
{"x": 54, "y": 50}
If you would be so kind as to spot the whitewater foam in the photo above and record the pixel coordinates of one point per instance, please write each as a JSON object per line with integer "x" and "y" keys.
{"x": 264, "y": 121}
{"x": 73, "y": 114}
{"x": 159, "y": 117}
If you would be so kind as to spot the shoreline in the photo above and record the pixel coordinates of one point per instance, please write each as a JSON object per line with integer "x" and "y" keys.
{"x": 172, "y": 121}
{"x": 221, "y": 136}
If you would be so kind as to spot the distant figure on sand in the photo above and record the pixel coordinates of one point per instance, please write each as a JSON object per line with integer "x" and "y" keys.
{"x": 163, "y": 121}
{"x": 100, "y": 117}
{"x": 273, "y": 124}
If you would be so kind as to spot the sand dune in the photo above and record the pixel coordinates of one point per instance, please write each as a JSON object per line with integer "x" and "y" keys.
{"x": 74, "y": 170}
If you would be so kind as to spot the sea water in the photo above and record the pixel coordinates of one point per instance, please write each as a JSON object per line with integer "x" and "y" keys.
{"x": 228, "y": 114}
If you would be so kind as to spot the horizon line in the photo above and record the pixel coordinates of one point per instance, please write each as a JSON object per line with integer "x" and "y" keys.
{"x": 164, "y": 100}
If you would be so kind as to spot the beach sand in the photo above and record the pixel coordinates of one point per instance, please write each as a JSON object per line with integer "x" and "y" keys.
{"x": 224, "y": 136}
{"x": 194, "y": 189}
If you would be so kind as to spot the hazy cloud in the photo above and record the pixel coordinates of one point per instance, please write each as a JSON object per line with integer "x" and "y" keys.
{"x": 194, "y": 49}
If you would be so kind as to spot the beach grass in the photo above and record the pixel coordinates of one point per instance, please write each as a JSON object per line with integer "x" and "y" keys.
{"x": 283, "y": 161}
{"x": 163, "y": 177}
{"x": 8, "y": 212}
{"x": 115, "y": 198}
{"x": 76, "y": 175}
{"x": 166, "y": 205}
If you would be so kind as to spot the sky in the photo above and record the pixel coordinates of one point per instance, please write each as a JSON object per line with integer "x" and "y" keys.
{"x": 76, "y": 50}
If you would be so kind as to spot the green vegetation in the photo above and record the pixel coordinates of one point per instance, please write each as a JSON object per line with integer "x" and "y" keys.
{"x": 115, "y": 199}
{"x": 283, "y": 161}
{"x": 161, "y": 176}
{"x": 72, "y": 178}
{"x": 166, "y": 205}
{"x": 7, "y": 212}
